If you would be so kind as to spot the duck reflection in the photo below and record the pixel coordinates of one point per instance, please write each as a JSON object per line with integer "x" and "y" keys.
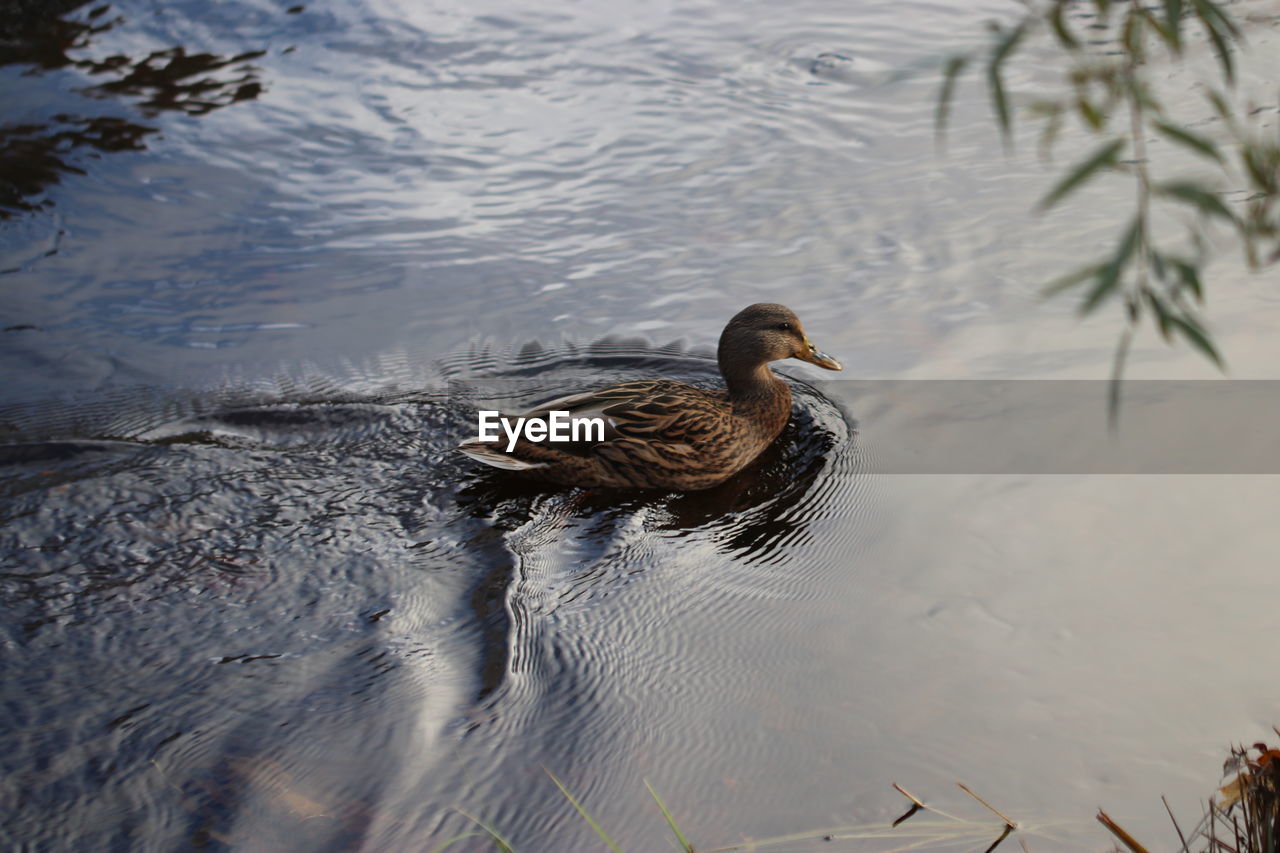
{"x": 557, "y": 547}
{"x": 769, "y": 505}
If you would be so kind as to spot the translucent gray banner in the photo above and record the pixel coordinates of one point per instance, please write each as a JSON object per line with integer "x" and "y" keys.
{"x": 1013, "y": 426}
{"x": 1062, "y": 427}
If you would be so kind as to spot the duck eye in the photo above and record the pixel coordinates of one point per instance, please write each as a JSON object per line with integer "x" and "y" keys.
{"x": 783, "y": 327}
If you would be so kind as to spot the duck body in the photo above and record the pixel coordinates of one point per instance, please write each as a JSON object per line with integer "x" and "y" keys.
{"x": 663, "y": 434}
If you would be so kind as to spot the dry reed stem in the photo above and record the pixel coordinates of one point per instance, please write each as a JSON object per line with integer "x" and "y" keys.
{"x": 1127, "y": 839}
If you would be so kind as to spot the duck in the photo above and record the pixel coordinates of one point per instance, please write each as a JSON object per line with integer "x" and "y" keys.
{"x": 665, "y": 434}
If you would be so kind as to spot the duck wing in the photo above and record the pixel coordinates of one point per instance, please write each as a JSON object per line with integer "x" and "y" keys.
{"x": 656, "y": 410}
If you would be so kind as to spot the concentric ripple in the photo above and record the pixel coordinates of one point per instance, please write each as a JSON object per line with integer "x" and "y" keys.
{"x": 615, "y": 597}
{"x": 265, "y": 586}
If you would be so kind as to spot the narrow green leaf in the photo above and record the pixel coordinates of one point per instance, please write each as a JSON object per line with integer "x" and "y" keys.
{"x": 1173, "y": 23}
{"x": 1131, "y": 33}
{"x": 1213, "y": 9}
{"x": 1203, "y": 200}
{"x": 999, "y": 100}
{"x": 1089, "y": 114}
{"x": 1005, "y": 48}
{"x": 1262, "y": 164}
{"x": 1192, "y": 141}
{"x": 1197, "y": 337}
{"x": 1224, "y": 55}
{"x": 1189, "y": 277}
{"x": 995, "y": 80}
{"x": 1166, "y": 35}
{"x": 1103, "y": 7}
{"x": 1052, "y": 126}
{"x": 1220, "y": 105}
{"x": 1071, "y": 279}
{"x": 1108, "y": 277}
{"x": 604, "y": 836}
{"x": 1102, "y": 158}
{"x": 1162, "y": 314}
{"x": 950, "y": 74}
{"x": 671, "y": 822}
{"x": 1158, "y": 267}
{"x": 1058, "y": 20}
{"x": 1218, "y": 27}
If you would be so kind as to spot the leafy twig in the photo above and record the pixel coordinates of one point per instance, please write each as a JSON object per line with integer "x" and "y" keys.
{"x": 1110, "y": 74}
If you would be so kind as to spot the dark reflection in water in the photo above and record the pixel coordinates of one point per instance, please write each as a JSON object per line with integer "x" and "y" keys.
{"x": 300, "y": 621}
{"x": 34, "y": 32}
{"x": 175, "y": 80}
{"x": 569, "y": 549}
{"x": 34, "y": 156}
{"x": 753, "y": 516}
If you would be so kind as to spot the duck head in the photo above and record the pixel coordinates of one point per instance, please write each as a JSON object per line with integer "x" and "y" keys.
{"x": 767, "y": 332}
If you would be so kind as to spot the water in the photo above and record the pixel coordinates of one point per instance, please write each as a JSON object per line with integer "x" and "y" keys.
{"x": 277, "y": 259}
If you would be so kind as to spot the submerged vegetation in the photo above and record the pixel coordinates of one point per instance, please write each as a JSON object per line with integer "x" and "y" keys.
{"x": 1114, "y": 58}
{"x": 1244, "y": 817}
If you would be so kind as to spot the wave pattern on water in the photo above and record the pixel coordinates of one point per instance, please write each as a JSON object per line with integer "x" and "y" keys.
{"x": 296, "y": 584}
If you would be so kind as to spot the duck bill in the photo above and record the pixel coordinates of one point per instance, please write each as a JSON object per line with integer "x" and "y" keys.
{"x": 813, "y": 355}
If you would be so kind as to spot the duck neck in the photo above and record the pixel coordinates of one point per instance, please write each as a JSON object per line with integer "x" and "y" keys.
{"x": 755, "y": 387}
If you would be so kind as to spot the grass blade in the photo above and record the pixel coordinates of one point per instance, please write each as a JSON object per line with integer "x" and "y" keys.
{"x": 671, "y": 822}
{"x": 449, "y": 842}
{"x": 1102, "y": 158}
{"x": 1181, "y": 837}
{"x": 604, "y": 836}
{"x": 503, "y": 844}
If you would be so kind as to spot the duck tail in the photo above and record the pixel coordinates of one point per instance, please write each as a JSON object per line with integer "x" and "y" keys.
{"x": 491, "y": 454}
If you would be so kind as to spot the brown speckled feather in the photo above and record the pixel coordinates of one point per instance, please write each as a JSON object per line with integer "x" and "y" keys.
{"x": 659, "y": 434}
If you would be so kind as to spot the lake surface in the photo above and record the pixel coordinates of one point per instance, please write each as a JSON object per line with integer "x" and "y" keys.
{"x": 262, "y": 263}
